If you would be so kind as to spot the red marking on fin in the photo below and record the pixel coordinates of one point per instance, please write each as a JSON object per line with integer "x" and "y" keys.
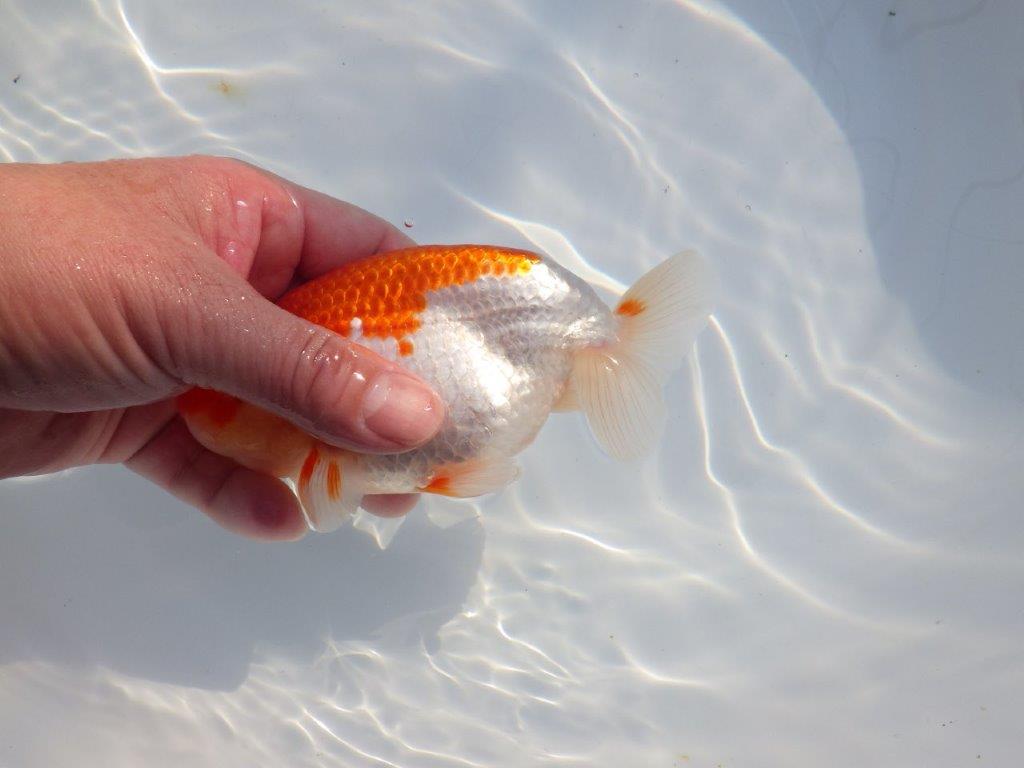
{"x": 630, "y": 307}
{"x": 306, "y": 473}
{"x": 333, "y": 481}
{"x": 405, "y": 347}
{"x": 440, "y": 484}
{"x": 473, "y": 477}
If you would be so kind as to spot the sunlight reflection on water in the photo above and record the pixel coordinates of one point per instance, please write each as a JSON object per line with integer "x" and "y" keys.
{"x": 792, "y": 566}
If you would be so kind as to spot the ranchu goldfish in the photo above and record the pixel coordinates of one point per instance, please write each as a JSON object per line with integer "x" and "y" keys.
{"x": 504, "y": 337}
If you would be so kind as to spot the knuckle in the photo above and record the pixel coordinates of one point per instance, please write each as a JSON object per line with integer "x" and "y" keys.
{"x": 198, "y": 318}
{"x": 212, "y": 166}
{"x": 235, "y": 199}
{"x": 206, "y": 181}
{"x": 223, "y": 174}
{"x": 322, "y": 371}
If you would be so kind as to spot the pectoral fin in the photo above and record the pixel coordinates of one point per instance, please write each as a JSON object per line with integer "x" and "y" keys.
{"x": 472, "y": 478}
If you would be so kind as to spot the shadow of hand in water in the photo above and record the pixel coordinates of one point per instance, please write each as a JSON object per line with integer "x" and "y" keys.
{"x": 97, "y": 569}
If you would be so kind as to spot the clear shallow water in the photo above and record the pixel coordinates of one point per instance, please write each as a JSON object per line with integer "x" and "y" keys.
{"x": 820, "y": 566}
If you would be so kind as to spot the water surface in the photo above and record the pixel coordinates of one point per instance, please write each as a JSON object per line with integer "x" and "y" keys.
{"x": 820, "y": 566}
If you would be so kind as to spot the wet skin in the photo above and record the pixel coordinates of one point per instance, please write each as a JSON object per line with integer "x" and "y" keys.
{"x": 125, "y": 283}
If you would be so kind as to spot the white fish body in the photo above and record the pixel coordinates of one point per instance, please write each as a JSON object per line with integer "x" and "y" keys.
{"x": 504, "y": 337}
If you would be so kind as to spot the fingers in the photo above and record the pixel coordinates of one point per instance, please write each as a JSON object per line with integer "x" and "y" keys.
{"x": 239, "y": 499}
{"x": 237, "y": 342}
{"x": 272, "y": 231}
{"x": 340, "y": 392}
{"x": 242, "y": 501}
{"x": 207, "y": 326}
{"x": 333, "y": 232}
{"x": 390, "y": 504}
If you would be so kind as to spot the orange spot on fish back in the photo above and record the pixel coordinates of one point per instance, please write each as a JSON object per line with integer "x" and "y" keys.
{"x": 306, "y": 473}
{"x": 389, "y": 291}
{"x": 219, "y": 408}
{"x": 333, "y": 481}
{"x": 630, "y": 307}
{"x": 405, "y": 347}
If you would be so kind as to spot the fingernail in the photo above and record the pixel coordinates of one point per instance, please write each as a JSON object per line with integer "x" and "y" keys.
{"x": 401, "y": 410}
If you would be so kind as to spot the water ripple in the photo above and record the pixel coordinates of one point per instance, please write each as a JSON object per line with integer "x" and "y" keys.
{"x": 825, "y": 542}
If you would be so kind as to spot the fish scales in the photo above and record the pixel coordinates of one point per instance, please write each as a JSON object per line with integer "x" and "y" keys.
{"x": 504, "y": 336}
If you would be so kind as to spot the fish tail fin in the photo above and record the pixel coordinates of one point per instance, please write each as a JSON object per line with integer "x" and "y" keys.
{"x": 619, "y": 387}
{"x": 662, "y": 313}
{"x": 330, "y": 484}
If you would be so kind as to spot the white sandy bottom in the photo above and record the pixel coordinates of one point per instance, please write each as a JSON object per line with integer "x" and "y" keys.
{"x": 821, "y": 564}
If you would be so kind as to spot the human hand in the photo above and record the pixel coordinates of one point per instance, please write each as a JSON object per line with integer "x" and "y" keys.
{"x": 125, "y": 283}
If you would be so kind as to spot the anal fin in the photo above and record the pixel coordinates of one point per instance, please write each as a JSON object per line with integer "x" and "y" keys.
{"x": 474, "y": 477}
{"x": 330, "y": 486}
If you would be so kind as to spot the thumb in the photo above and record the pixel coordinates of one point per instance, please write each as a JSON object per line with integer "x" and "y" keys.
{"x": 343, "y": 393}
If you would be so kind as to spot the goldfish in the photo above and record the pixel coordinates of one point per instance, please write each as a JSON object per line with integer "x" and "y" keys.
{"x": 505, "y": 337}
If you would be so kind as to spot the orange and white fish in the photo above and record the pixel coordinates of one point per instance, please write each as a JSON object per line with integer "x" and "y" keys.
{"x": 504, "y": 337}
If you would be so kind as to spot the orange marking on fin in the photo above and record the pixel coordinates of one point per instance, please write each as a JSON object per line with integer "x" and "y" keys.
{"x": 389, "y": 291}
{"x": 630, "y": 307}
{"x": 306, "y": 473}
{"x": 219, "y": 408}
{"x": 440, "y": 484}
{"x": 333, "y": 481}
{"x": 405, "y": 347}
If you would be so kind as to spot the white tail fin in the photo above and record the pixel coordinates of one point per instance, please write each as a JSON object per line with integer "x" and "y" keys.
{"x": 620, "y": 387}
{"x": 665, "y": 309}
{"x": 330, "y": 486}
